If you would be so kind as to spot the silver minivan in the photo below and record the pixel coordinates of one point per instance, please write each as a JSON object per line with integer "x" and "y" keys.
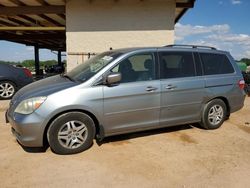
{"x": 127, "y": 90}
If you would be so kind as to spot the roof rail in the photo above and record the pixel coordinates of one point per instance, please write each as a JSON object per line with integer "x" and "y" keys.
{"x": 191, "y": 46}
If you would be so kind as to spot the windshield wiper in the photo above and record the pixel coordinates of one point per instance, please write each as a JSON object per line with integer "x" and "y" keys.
{"x": 66, "y": 76}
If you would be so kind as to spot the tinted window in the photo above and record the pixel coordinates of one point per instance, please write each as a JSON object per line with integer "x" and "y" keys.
{"x": 138, "y": 67}
{"x": 176, "y": 64}
{"x": 216, "y": 64}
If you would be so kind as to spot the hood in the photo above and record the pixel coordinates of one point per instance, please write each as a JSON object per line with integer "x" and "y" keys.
{"x": 44, "y": 87}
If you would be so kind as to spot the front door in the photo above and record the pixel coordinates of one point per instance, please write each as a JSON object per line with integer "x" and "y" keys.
{"x": 134, "y": 104}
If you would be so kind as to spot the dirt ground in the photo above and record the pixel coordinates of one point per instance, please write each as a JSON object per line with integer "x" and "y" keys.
{"x": 184, "y": 156}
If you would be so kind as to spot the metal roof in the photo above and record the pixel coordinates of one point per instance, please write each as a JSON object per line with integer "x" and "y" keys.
{"x": 42, "y": 22}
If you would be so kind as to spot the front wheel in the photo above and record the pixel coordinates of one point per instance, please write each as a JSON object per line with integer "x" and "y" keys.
{"x": 71, "y": 133}
{"x": 214, "y": 114}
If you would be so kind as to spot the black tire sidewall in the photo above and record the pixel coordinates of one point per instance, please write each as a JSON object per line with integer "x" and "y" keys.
{"x": 59, "y": 122}
{"x": 15, "y": 89}
{"x": 205, "y": 122}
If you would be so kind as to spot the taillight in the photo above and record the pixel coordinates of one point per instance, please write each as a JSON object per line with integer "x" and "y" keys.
{"x": 27, "y": 72}
{"x": 241, "y": 84}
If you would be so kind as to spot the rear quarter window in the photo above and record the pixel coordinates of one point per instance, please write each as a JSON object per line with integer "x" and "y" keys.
{"x": 216, "y": 64}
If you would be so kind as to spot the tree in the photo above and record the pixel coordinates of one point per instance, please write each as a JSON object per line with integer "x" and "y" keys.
{"x": 8, "y": 62}
{"x": 245, "y": 60}
{"x": 28, "y": 63}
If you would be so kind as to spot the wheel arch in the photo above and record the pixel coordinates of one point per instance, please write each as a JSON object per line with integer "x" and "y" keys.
{"x": 9, "y": 80}
{"x": 207, "y": 106}
{"x": 92, "y": 116}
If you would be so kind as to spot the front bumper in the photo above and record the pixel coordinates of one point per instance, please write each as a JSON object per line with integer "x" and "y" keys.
{"x": 26, "y": 128}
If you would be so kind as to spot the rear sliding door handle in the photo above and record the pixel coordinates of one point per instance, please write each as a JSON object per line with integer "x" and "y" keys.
{"x": 150, "y": 88}
{"x": 171, "y": 87}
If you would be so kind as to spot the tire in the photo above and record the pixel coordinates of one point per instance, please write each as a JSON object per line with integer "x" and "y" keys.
{"x": 71, "y": 133}
{"x": 214, "y": 114}
{"x": 7, "y": 90}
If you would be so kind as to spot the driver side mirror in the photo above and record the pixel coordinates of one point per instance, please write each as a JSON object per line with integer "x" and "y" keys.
{"x": 113, "y": 78}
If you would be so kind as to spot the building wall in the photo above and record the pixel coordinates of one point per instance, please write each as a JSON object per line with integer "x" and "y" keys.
{"x": 94, "y": 26}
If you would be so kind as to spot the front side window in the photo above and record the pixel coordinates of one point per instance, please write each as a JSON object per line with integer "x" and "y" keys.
{"x": 140, "y": 67}
{"x": 216, "y": 64}
{"x": 176, "y": 64}
{"x": 92, "y": 66}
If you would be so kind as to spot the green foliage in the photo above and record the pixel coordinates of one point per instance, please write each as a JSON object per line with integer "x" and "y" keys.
{"x": 242, "y": 66}
{"x": 30, "y": 63}
{"x": 48, "y": 63}
{"x": 8, "y": 62}
{"x": 245, "y": 60}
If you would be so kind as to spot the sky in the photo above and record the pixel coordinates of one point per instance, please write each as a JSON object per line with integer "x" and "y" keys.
{"x": 224, "y": 24}
{"x": 10, "y": 51}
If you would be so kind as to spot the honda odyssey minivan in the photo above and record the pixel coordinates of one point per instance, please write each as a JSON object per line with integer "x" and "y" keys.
{"x": 127, "y": 90}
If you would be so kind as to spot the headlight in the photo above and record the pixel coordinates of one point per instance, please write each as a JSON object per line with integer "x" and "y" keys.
{"x": 28, "y": 106}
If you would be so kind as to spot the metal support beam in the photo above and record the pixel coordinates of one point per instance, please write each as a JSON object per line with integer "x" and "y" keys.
{"x": 44, "y": 3}
{"x": 54, "y": 47}
{"x": 37, "y": 64}
{"x": 50, "y": 20}
{"x": 6, "y": 23}
{"x": 29, "y": 19}
{"x": 33, "y": 21}
{"x": 14, "y": 11}
{"x": 59, "y": 58}
{"x": 32, "y": 28}
{"x": 35, "y": 36}
{"x": 9, "y": 28}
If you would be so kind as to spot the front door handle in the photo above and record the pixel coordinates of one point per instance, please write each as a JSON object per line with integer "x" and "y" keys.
{"x": 150, "y": 88}
{"x": 171, "y": 87}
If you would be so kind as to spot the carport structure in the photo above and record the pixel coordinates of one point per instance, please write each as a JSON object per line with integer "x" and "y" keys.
{"x": 37, "y": 23}
{"x": 42, "y": 23}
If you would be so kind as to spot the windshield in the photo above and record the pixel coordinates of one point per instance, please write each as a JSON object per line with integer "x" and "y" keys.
{"x": 92, "y": 66}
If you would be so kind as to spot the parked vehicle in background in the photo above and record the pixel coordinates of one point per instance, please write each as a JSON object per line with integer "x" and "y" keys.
{"x": 128, "y": 90}
{"x": 246, "y": 76}
{"x": 55, "y": 69}
{"x": 12, "y": 79}
{"x": 242, "y": 66}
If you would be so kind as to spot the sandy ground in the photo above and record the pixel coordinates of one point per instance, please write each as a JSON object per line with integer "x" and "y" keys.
{"x": 184, "y": 156}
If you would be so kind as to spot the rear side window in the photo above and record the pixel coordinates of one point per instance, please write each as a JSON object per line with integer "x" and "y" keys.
{"x": 176, "y": 64}
{"x": 216, "y": 64}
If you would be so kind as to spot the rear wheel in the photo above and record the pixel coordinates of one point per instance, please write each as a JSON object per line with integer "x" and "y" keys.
{"x": 7, "y": 90}
{"x": 71, "y": 133}
{"x": 214, "y": 114}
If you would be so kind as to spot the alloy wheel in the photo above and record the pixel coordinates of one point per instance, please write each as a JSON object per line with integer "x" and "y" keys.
{"x": 215, "y": 114}
{"x": 7, "y": 90}
{"x": 72, "y": 134}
